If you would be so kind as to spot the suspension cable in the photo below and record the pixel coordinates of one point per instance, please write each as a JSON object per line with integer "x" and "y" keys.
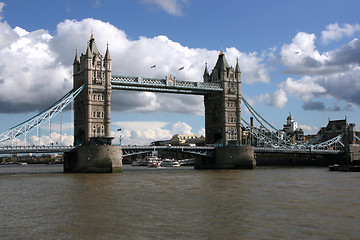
{"x": 38, "y": 119}
{"x": 256, "y": 115}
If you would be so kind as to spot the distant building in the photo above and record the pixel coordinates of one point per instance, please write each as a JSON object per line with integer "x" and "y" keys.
{"x": 161, "y": 143}
{"x": 337, "y": 127}
{"x": 187, "y": 139}
{"x": 291, "y": 129}
{"x": 290, "y": 126}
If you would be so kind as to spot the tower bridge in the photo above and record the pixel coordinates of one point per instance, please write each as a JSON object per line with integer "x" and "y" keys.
{"x": 93, "y": 151}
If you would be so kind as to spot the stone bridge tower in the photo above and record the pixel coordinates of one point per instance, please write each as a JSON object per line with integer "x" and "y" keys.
{"x": 92, "y": 106}
{"x": 223, "y": 110}
{"x": 93, "y": 152}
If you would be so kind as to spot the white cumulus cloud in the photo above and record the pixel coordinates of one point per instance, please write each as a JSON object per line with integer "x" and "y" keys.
{"x": 278, "y": 99}
{"x": 36, "y": 68}
{"x": 335, "y": 32}
{"x": 305, "y": 88}
{"x": 145, "y": 132}
{"x": 333, "y": 74}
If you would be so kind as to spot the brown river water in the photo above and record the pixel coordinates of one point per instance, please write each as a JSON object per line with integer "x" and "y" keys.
{"x": 41, "y": 202}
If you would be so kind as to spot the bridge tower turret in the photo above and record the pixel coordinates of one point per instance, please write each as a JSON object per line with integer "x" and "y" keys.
{"x": 92, "y": 106}
{"x": 223, "y": 110}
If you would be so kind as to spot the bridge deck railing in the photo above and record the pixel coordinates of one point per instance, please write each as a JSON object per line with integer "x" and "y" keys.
{"x": 35, "y": 149}
{"x": 138, "y": 83}
{"x": 297, "y": 150}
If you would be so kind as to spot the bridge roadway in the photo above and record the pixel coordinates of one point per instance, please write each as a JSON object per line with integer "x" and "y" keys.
{"x": 35, "y": 149}
{"x": 207, "y": 151}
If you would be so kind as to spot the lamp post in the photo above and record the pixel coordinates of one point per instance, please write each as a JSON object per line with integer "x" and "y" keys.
{"x": 120, "y": 137}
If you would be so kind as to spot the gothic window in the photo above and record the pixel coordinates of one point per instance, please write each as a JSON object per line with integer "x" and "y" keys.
{"x": 231, "y": 104}
{"x": 94, "y": 97}
{"x": 98, "y": 97}
{"x": 102, "y": 114}
{"x": 98, "y": 114}
{"x": 231, "y": 134}
{"x": 98, "y": 63}
{"x": 231, "y": 118}
{"x": 97, "y": 77}
{"x": 231, "y": 88}
{"x": 94, "y": 114}
{"x": 94, "y": 132}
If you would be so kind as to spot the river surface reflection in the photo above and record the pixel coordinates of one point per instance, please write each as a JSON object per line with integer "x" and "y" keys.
{"x": 41, "y": 202}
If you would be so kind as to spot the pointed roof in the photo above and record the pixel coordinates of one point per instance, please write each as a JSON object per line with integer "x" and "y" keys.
{"x": 237, "y": 68}
{"x": 107, "y": 54}
{"x": 221, "y": 62}
{"x": 77, "y": 59}
{"x": 206, "y": 72}
{"x": 92, "y": 45}
{"x": 290, "y": 117}
{"x": 88, "y": 51}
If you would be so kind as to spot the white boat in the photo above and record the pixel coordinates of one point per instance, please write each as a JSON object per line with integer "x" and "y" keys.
{"x": 187, "y": 162}
{"x": 136, "y": 163}
{"x": 139, "y": 162}
{"x": 169, "y": 163}
{"x": 154, "y": 161}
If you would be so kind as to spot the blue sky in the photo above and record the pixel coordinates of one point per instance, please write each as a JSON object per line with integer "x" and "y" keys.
{"x": 295, "y": 56}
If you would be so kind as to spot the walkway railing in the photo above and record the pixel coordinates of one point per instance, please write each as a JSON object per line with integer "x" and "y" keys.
{"x": 168, "y": 85}
{"x": 197, "y": 150}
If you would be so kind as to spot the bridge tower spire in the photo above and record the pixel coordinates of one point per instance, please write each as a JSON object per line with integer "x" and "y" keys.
{"x": 223, "y": 110}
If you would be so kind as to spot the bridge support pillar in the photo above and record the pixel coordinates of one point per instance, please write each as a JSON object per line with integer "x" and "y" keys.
{"x": 94, "y": 159}
{"x": 229, "y": 157}
{"x": 354, "y": 152}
